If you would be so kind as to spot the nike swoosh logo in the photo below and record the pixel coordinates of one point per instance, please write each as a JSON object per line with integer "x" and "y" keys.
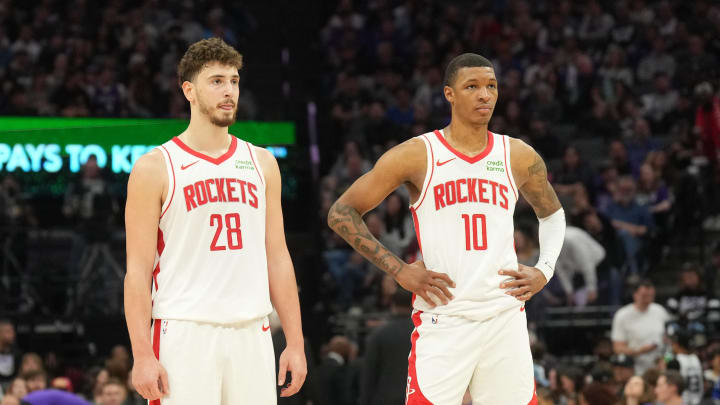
{"x": 183, "y": 167}
{"x": 439, "y": 163}
{"x": 265, "y": 328}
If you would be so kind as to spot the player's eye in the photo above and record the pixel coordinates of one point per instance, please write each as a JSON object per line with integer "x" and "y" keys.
{"x": 492, "y": 86}
{"x": 472, "y": 86}
{"x": 216, "y": 81}
{"x": 234, "y": 82}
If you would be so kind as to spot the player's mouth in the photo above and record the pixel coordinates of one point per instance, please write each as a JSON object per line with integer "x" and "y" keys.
{"x": 483, "y": 108}
{"x": 227, "y": 107}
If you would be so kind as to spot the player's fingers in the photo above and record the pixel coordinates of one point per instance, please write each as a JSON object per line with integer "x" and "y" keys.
{"x": 164, "y": 384}
{"x": 427, "y": 298}
{"x": 512, "y": 273}
{"x": 516, "y": 292}
{"x": 514, "y": 283}
{"x": 154, "y": 390}
{"x": 525, "y": 296}
{"x": 443, "y": 287}
{"x": 282, "y": 370}
{"x": 443, "y": 277}
{"x": 436, "y": 294}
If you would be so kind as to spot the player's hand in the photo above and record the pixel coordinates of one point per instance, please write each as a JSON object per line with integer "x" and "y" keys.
{"x": 150, "y": 378}
{"x": 293, "y": 360}
{"x": 425, "y": 283}
{"x": 527, "y": 282}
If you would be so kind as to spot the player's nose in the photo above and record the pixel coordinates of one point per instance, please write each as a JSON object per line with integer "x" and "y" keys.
{"x": 484, "y": 94}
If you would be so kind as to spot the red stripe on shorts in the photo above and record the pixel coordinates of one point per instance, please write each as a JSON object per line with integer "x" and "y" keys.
{"x": 156, "y": 349}
{"x": 534, "y": 400}
{"x": 413, "y": 394}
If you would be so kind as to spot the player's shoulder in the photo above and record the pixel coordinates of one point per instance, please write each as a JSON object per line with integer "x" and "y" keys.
{"x": 520, "y": 149}
{"x": 150, "y": 163}
{"x": 410, "y": 153}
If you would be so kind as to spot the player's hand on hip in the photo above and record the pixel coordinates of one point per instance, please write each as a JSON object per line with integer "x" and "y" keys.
{"x": 527, "y": 281}
{"x": 150, "y": 378}
{"x": 293, "y": 360}
{"x": 426, "y": 283}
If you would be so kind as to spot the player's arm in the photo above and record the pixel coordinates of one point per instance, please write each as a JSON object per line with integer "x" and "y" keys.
{"x": 281, "y": 276}
{"x": 142, "y": 217}
{"x": 530, "y": 175}
{"x": 405, "y": 163}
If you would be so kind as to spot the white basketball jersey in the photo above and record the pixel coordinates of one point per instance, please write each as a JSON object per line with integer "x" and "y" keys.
{"x": 692, "y": 372}
{"x": 211, "y": 264}
{"x": 464, "y": 224}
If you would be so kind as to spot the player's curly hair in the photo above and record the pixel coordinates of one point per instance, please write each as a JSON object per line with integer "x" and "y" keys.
{"x": 203, "y": 52}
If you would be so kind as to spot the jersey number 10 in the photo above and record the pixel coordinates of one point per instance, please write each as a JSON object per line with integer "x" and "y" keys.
{"x": 233, "y": 233}
{"x": 474, "y": 240}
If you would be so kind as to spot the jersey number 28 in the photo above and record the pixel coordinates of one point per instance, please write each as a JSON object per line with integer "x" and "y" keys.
{"x": 233, "y": 233}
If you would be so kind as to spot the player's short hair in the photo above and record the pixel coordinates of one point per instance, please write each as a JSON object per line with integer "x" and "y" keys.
{"x": 461, "y": 61}
{"x": 204, "y": 52}
{"x": 673, "y": 377}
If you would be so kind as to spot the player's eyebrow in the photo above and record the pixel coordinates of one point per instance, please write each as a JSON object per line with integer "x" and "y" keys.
{"x": 223, "y": 76}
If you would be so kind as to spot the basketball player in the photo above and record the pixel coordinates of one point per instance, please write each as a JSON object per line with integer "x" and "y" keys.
{"x": 206, "y": 255}
{"x": 470, "y": 324}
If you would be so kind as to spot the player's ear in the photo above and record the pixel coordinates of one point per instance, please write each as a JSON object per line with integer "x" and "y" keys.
{"x": 187, "y": 88}
{"x": 449, "y": 94}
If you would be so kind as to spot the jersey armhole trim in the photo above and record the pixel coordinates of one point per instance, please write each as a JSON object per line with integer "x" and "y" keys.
{"x": 429, "y": 169}
{"x": 171, "y": 170}
{"x": 257, "y": 167}
{"x": 508, "y": 171}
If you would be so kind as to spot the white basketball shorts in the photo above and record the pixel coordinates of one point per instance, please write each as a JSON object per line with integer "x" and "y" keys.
{"x": 216, "y": 364}
{"x": 451, "y": 354}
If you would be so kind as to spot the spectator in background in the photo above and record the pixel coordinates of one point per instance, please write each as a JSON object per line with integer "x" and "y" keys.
{"x": 333, "y": 376}
{"x": 660, "y": 102}
{"x": 399, "y": 228}
{"x": 623, "y": 368}
{"x": 609, "y": 269}
{"x": 114, "y": 392}
{"x": 658, "y": 61}
{"x": 573, "y": 173}
{"x": 597, "y": 394}
{"x": 571, "y": 381}
{"x": 384, "y": 373}
{"x": 543, "y": 140}
{"x": 579, "y": 256}
{"x": 36, "y": 380}
{"x": 633, "y": 222}
{"x": 689, "y": 366}
{"x": 653, "y": 193}
{"x": 9, "y": 352}
{"x": 17, "y": 387}
{"x": 619, "y": 158}
{"x": 10, "y": 400}
{"x": 640, "y": 144}
{"x": 636, "y": 392}
{"x": 31, "y": 362}
{"x": 707, "y": 121}
{"x": 54, "y": 397}
{"x": 669, "y": 388}
{"x": 690, "y": 302}
{"x": 638, "y": 328}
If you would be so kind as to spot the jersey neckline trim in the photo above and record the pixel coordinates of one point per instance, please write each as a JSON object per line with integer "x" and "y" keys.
{"x": 225, "y": 156}
{"x": 469, "y": 159}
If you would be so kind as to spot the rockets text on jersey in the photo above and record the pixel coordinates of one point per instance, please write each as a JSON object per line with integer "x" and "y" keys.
{"x": 464, "y": 224}
{"x": 211, "y": 264}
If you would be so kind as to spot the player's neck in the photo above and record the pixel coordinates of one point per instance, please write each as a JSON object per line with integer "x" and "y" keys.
{"x": 203, "y": 136}
{"x": 468, "y": 139}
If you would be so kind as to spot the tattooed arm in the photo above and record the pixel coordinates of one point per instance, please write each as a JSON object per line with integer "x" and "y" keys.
{"x": 530, "y": 176}
{"x": 403, "y": 164}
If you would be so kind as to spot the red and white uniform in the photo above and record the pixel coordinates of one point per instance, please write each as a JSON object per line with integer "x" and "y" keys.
{"x": 210, "y": 281}
{"x": 464, "y": 224}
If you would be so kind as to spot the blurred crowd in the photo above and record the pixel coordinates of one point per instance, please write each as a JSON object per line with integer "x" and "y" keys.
{"x": 107, "y": 58}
